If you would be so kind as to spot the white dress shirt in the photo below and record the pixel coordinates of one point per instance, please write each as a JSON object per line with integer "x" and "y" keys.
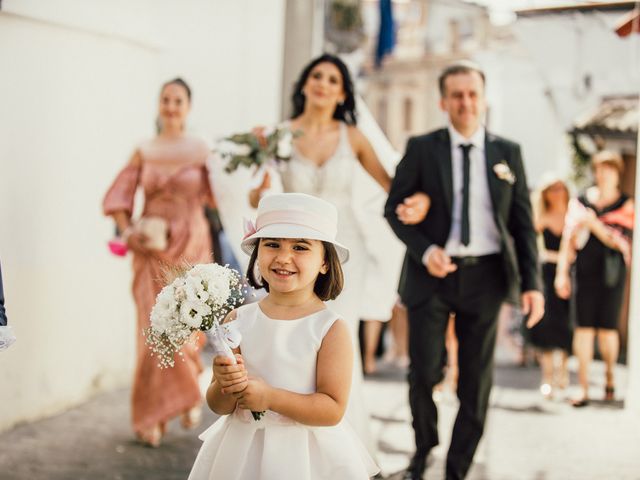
{"x": 484, "y": 235}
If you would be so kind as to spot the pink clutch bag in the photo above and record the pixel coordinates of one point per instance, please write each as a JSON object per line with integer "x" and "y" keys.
{"x": 118, "y": 247}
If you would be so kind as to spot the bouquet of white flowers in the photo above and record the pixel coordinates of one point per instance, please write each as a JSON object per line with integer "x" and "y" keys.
{"x": 256, "y": 147}
{"x": 196, "y": 300}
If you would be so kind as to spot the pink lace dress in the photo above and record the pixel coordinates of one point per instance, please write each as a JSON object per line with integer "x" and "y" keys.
{"x": 175, "y": 182}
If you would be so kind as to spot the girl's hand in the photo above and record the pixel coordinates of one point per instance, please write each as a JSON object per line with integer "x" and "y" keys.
{"x": 137, "y": 242}
{"x": 231, "y": 378}
{"x": 562, "y": 285}
{"x": 256, "y": 396}
{"x": 414, "y": 209}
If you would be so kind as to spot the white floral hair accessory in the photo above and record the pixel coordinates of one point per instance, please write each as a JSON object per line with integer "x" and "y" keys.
{"x": 503, "y": 172}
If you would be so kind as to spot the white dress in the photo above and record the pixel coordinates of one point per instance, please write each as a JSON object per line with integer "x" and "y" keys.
{"x": 237, "y": 447}
{"x": 333, "y": 181}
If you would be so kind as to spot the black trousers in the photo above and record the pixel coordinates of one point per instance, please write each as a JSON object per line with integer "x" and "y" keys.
{"x": 474, "y": 293}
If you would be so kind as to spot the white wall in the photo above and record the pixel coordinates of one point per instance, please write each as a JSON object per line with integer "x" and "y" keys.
{"x": 78, "y": 90}
{"x": 519, "y": 110}
{"x": 566, "y": 47}
{"x": 546, "y": 85}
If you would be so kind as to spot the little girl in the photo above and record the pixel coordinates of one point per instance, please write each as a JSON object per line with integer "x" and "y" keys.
{"x": 295, "y": 362}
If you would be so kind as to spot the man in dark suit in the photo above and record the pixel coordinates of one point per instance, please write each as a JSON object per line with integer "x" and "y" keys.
{"x": 475, "y": 249}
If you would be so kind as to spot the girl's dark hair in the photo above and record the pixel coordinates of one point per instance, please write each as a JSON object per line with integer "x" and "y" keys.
{"x": 177, "y": 81}
{"x": 328, "y": 285}
{"x": 345, "y": 111}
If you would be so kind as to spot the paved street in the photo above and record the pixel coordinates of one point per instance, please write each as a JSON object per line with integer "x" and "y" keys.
{"x": 526, "y": 438}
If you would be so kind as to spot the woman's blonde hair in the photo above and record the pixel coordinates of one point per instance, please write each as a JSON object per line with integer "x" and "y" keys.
{"x": 539, "y": 201}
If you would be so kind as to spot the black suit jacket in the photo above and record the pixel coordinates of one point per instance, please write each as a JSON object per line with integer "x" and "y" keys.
{"x": 427, "y": 167}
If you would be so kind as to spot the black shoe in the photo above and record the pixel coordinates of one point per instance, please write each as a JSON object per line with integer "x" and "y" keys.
{"x": 416, "y": 468}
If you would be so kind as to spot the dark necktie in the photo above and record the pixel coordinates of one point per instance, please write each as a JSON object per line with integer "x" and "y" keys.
{"x": 464, "y": 227}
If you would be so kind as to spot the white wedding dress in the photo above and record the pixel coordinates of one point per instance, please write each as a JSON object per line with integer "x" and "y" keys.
{"x": 332, "y": 181}
{"x": 373, "y": 270}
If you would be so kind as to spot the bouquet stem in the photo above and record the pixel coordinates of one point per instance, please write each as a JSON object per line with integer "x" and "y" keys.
{"x": 222, "y": 348}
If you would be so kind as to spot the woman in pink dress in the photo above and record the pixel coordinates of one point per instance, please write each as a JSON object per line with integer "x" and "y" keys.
{"x": 171, "y": 170}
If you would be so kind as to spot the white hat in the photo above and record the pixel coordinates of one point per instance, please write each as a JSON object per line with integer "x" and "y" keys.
{"x": 294, "y": 215}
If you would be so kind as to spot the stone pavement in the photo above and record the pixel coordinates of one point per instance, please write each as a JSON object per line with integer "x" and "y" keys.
{"x": 526, "y": 438}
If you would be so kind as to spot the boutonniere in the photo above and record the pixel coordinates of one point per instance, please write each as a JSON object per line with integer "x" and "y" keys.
{"x": 503, "y": 172}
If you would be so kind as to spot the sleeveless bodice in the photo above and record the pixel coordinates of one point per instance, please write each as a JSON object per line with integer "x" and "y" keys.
{"x": 283, "y": 352}
{"x": 331, "y": 181}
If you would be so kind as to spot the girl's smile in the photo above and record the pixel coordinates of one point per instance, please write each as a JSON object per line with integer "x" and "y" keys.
{"x": 290, "y": 264}
{"x": 282, "y": 272}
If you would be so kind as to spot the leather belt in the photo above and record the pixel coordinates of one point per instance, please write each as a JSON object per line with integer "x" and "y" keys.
{"x": 473, "y": 261}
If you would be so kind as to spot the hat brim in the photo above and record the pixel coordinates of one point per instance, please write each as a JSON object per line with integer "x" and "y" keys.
{"x": 292, "y": 231}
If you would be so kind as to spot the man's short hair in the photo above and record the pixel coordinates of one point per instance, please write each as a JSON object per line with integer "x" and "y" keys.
{"x": 463, "y": 66}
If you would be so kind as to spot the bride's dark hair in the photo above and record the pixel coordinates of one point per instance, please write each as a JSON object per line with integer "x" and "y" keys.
{"x": 345, "y": 111}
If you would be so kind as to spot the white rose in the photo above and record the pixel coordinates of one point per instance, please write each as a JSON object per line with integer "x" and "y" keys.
{"x": 164, "y": 310}
{"x": 195, "y": 290}
{"x": 160, "y": 323}
{"x": 192, "y": 313}
{"x": 285, "y": 145}
{"x": 241, "y": 149}
{"x": 189, "y": 316}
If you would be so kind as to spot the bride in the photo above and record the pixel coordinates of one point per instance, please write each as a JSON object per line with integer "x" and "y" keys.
{"x": 325, "y": 160}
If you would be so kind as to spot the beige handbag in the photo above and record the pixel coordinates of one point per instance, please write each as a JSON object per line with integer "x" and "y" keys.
{"x": 156, "y": 229}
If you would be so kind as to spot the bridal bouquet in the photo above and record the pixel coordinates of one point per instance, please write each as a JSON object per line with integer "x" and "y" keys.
{"x": 199, "y": 299}
{"x": 256, "y": 147}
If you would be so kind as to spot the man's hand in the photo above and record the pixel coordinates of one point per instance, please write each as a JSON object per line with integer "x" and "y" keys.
{"x": 532, "y": 305}
{"x": 439, "y": 264}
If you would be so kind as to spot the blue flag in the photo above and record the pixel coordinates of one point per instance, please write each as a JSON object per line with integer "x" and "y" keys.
{"x": 387, "y": 34}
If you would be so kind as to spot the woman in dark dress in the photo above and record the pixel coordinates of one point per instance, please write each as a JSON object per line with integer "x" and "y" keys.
{"x": 600, "y": 240}
{"x": 552, "y": 337}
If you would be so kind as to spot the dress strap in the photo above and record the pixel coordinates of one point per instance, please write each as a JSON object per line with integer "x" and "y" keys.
{"x": 325, "y": 320}
{"x": 344, "y": 144}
